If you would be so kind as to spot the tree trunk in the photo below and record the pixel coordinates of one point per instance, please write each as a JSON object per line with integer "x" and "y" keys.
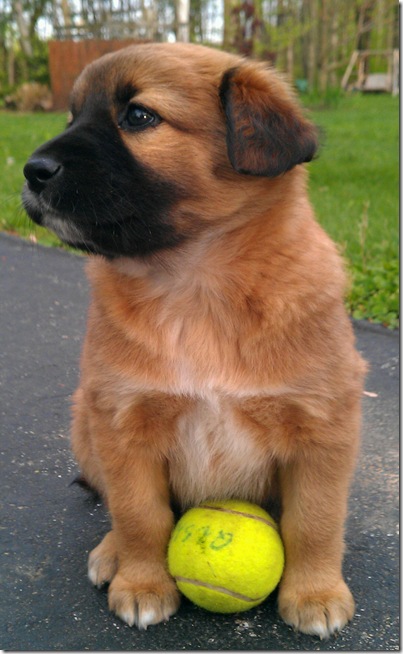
{"x": 66, "y": 12}
{"x": 11, "y": 66}
{"x": 334, "y": 43}
{"x": 230, "y": 24}
{"x": 290, "y": 61}
{"x": 313, "y": 43}
{"x": 182, "y": 12}
{"x": 324, "y": 49}
{"x": 23, "y": 28}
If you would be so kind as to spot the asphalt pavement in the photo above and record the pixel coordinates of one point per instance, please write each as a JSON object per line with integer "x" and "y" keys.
{"x": 48, "y": 526}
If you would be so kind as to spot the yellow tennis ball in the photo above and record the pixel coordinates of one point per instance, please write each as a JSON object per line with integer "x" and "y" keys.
{"x": 226, "y": 556}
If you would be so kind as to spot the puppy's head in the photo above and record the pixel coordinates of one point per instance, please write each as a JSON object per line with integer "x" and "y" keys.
{"x": 162, "y": 142}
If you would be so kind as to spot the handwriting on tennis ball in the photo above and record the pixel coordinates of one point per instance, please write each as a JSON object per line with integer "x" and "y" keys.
{"x": 205, "y": 536}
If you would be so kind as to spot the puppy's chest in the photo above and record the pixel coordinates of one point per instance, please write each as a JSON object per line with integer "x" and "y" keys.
{"x": 216, "y": 457}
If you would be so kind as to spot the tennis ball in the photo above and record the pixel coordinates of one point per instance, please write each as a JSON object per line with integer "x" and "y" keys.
{"x": 226, "y": 556}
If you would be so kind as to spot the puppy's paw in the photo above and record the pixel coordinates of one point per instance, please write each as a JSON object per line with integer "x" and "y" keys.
{"x": 321, "y": 614}
{"x": 103, "y": 561}
{"x": 143, "y": 604}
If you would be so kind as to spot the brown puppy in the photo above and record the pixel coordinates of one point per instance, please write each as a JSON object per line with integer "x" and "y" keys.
{"x": 219, "y": 358}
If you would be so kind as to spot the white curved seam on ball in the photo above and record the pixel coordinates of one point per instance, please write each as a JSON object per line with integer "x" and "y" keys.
{"x": 269, "y": 523}
{"x": 219, "y": 589}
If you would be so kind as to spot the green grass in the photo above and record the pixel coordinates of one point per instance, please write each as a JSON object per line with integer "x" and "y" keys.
{"x": 354, "y": 186}
{"x": 20, "y": 134}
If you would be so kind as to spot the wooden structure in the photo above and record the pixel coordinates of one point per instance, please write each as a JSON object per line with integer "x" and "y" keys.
{"x": 363, "y": 80}
{"x": 68, "y": 58}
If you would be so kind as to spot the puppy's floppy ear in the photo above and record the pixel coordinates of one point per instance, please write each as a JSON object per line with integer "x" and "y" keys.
{"x": 267, "y": 133}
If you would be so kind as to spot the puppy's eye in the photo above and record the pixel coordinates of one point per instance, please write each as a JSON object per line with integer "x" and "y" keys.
{"x": 138, "y": 117}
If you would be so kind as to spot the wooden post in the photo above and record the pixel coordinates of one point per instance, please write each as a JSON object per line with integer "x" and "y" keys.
{"x": 362, "y": 61}
{"x": 395, "y": 72}
{"x": 349, "y": 70}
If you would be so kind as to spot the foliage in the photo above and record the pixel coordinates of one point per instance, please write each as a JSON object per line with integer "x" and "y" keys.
{"x": 38, "y": 65}
{"x": 328, "y": 99}
{"x": 15, "y": 66}
{"x": 374, "y": 293}
{"x": 308, "y": 39}
{"x": 36, "y": 68}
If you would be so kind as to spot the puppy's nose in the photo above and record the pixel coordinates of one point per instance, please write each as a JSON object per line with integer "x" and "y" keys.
{"x": 39, "y": 170}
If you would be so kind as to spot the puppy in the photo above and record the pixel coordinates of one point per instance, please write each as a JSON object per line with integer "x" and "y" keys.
{"x": 219, "y": 361}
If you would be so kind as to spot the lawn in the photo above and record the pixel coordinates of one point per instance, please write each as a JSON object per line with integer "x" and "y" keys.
{"x": 354, "y": 186}
{"x": 20, "y": 134}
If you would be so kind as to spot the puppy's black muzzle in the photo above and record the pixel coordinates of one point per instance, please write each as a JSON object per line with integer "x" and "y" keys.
{"x": 88, "y": 188}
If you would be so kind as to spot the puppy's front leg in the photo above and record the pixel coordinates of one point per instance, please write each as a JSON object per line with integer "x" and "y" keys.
{"x": 313, "y": 596}
{"x": 132, "y": 556}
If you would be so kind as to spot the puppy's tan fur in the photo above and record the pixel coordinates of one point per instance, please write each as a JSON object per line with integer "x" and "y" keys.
{"x": 226, "y": 365}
